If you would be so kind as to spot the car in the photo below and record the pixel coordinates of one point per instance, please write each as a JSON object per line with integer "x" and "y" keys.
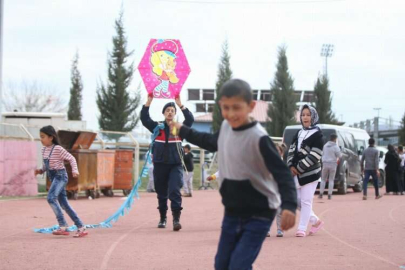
{"x": 352, "y": 142}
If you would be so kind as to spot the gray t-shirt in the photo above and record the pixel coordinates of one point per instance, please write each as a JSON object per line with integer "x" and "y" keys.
{"x": 371, "y": 157}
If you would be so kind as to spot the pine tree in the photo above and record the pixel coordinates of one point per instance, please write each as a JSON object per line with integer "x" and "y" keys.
{"x": 401, "y": 131}
{"x": 75, "y": 102}
{"x": 116, "y": 106}
{"x": 323, "y": 101}
{"x": 282, "y": 111}
{"x": 224, "y": 74}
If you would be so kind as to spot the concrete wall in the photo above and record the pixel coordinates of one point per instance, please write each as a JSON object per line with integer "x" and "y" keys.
{"x": 18, "y": 160}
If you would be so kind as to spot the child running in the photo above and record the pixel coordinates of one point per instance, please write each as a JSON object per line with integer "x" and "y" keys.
{"x": 53, "y": 156}
{"x": 252, "y": 177}
{"x": 281, "y": 147}
{"x": 304, "y": 159}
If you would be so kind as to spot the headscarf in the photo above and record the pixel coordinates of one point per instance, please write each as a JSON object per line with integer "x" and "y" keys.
{"x": 314, "y": 117}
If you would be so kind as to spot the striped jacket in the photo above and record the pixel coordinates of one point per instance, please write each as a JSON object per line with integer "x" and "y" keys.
{"x": 307, "y": 159}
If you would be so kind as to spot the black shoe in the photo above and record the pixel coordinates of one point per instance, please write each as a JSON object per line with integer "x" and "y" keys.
{"x": 176, "y": 221}
{"x": 329, "y": 197}
{"x": 162, "y": 223}
{"x": 163, "y": 219}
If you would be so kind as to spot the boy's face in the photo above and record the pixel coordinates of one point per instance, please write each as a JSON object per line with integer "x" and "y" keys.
{"x": 236, "y": 110}
{"x": 170, "y": 113}
{"x": 186, "y": 150}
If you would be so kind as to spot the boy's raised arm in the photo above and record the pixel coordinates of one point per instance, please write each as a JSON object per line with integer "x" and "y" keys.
{"x": 204, "y": 140}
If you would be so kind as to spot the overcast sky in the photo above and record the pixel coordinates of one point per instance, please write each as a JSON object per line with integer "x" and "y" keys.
{"x": 366, "y": 69}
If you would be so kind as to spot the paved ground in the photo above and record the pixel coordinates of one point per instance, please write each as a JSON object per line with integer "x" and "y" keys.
{"x": 357, "y": 235}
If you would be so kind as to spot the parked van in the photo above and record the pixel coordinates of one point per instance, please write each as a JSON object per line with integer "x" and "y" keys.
{"x": 352, "y": 142}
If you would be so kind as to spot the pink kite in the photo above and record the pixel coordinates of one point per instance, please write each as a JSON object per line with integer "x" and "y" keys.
{"x": 164, "y": 68}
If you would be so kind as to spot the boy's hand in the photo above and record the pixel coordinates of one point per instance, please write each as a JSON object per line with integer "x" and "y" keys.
{"x": 178, "y": 101}
{"x": 39, "y": 171}
{"x": 150, "y": 99}
{"x": 287, "y": 220}
{"x": 294, "y": 171}
{"x": 378, "y": 173}
{"x": 175, "y": 128}
{"x": 75, "y": 175}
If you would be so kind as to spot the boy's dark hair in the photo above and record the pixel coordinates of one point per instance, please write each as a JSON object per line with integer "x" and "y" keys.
{"x": 50, "y": 131}
{"x": 401, "y": 148}
{"x": 333, "y": 137}
{"x": 187, "y": 146}
{"x": 371, "y": 141}
{"x": 170, "y": 104}
{"x": 236, "y": 88}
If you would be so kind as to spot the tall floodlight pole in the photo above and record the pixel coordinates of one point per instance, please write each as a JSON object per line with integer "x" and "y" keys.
{"x": 378, "y": 111}
{"x": 327, "y": 51}
{"x": 1, "y": 58}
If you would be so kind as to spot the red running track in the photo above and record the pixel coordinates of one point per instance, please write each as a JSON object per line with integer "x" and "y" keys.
{"x": 357, "y": 235}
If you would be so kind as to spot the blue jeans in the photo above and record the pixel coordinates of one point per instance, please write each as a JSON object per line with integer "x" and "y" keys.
{"x": 367, "y": 174}
{"x": 240, "y": 242}
{"x": 57, "y": 198}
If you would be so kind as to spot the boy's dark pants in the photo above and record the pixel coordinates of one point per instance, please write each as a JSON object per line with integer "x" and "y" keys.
{"x": 373, "y": 174}
{"x": 240, "y": 241}
{"x": 168, "y": 183}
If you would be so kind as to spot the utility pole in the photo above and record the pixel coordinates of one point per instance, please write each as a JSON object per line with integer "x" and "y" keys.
{"x": 376, "y": 130}
{"x": 327, "y": 51}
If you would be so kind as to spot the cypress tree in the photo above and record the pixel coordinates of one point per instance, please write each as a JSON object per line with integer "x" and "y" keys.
{"x": 75, "y": 102}
{"x": 323, "y": 101}
{"x": 116, "y": 106}
{"x": 224, "y": 74}
{"x": 282, "y": 110}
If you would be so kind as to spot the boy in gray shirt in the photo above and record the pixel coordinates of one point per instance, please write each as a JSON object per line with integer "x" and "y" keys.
{"x": 331, "y": 153}
{"x": 371, "y": 157}
{"x": 254, "y": 181}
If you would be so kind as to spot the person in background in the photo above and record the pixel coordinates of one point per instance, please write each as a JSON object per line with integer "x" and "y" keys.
{"x": 330, "y": 157}
{"x": 371, "y": 158}
{"x": 281, "y": 147}
{"x": 304, "y": 160}
{"x": 401, "y": 155}
{"x": 188, "y": 175}
{"x": 393, "y": 162}
{"x": 151, "y": 183}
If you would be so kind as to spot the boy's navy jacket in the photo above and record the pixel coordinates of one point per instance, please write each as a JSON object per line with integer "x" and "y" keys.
{"x": 252, "y": 175}
{"x": 167, "y": 148}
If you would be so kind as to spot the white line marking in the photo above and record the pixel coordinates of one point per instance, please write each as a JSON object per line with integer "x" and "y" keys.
{"x": 110, "y": 251}
{"x": 354, "y": 247}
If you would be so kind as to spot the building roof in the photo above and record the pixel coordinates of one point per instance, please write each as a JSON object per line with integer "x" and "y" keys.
{"x": 259, "y": 113}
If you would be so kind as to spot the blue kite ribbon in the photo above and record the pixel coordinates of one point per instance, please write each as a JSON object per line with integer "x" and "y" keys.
{"x": 126, "y": 206}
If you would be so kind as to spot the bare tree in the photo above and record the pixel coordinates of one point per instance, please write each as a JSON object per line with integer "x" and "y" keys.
{"x": 31, "y": 96}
